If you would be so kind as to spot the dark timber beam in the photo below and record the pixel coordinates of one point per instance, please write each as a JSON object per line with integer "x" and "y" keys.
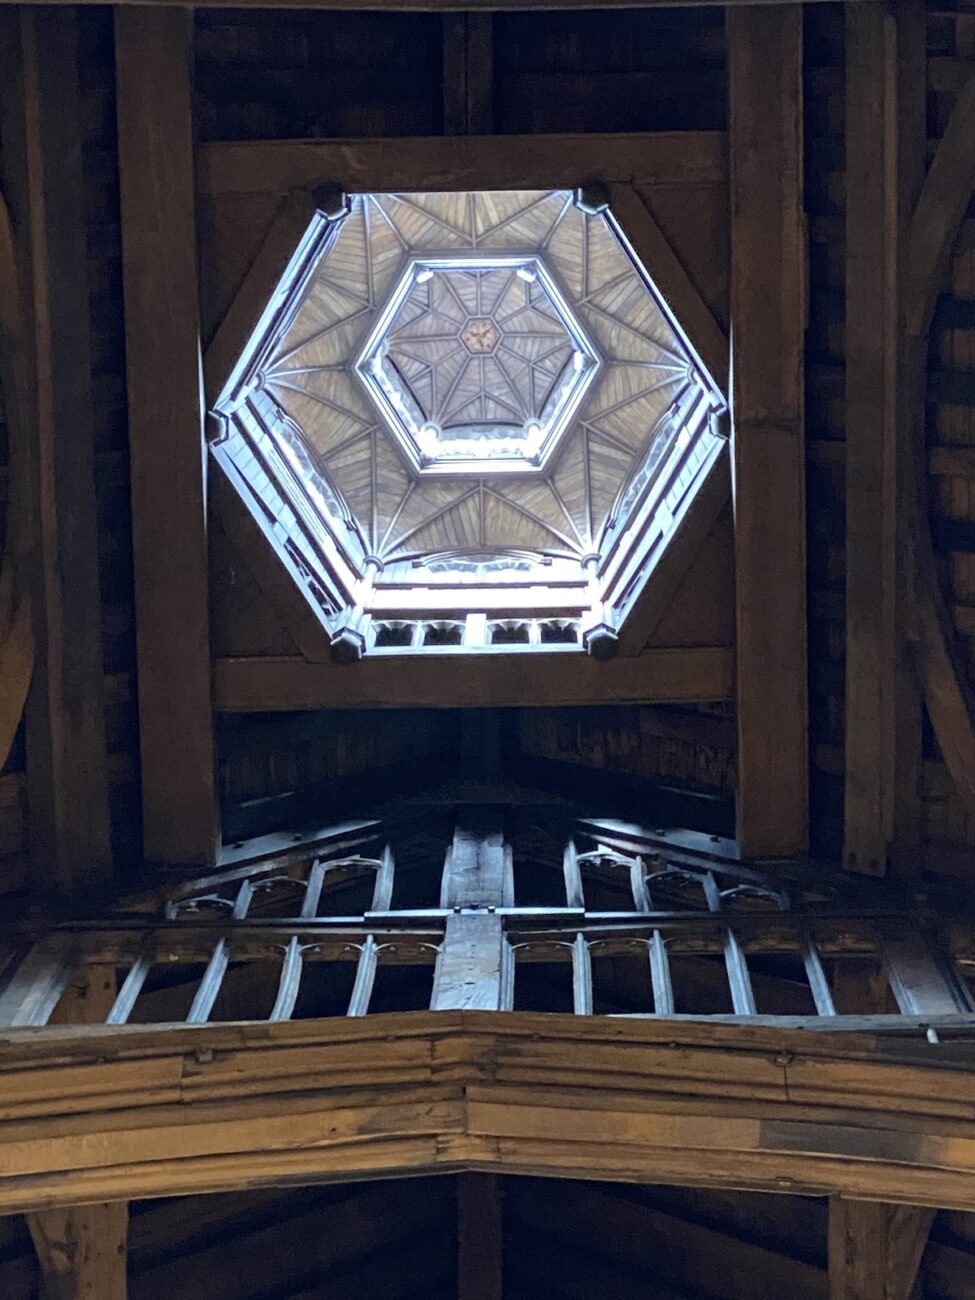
{"x": 433, "y": 6}
{"x": 479, "y": 1237}
{"x": 885, "y": 149}
{"x": 154, "y": 54}
{"x": 875, "y": 1249}
{"x": 43, "y": 126}
{"x": 768, "y": 311}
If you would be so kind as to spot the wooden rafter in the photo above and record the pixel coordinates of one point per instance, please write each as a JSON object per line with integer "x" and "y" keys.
{"x": 68, "y": 771}
{"x": 704, "y": 674}
{"x": 156, "y": 167}
{"x": 885, "y": 140}
{"x": 768, "y": 315}
{"x": 459, "y": 162}
{"x": 440, "y": 6}
{"x": 937, "y": 220}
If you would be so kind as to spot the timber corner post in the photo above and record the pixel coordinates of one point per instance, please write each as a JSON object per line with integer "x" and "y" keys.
{"x": 154, "y": 55}
{"x": 768, "y": 318}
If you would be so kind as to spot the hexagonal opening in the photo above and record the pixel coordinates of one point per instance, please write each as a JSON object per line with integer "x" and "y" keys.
{"x": 469, "y": 408}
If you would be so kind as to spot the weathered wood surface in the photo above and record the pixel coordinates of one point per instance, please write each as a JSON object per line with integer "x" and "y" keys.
{"x": 875, "y": 1249}
{"x": 692, "y": 314}
{"x": 935, "y": 227}
{"x": 114, "y": 1112}
{"x": 475, "y": 873}
{"x": 701, "y": 674}
{"x": 436, "y": 6}
{"x": 885, "y": 139}
{"x": 479, "y": 1237}
{"x": 156, "y": 165}
{"x": 463, "y": 162}
{"x": 16, "y": 630}
{"x": 768, "y": 270}
{"x": 470, "y": 965}
{"x": 53, "y": 427}
{"x": 82, "y": 1251}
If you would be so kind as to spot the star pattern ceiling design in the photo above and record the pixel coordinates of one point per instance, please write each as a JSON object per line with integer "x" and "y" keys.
{"x": 469, "y": 393}
{"x": 477, "y": 364}
{"x": 311, "y": 375}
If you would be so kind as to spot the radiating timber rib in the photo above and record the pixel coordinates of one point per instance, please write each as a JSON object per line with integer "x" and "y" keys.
{"x": 875, "y": 1249}
{"x": 935, "y": 227}
{"x": 16, "y": 631}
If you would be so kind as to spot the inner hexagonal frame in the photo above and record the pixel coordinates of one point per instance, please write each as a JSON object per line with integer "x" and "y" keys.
{"x": 477, "y": 363}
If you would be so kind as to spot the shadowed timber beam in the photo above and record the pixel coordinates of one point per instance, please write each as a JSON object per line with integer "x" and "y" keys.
{"x": 479, "y": 1237}
{"x": 692, "y": 314}
{"x": 875, "y": 1249}
{"x": 695, "y": 521}
{"x": 468, "y": 73}
{"x": 694, "y": 675}
{"x": 156, "y": 166}
{"x": 885, "y": 146}
{"x": 768, "y": 268}
{"x": 463, "y": 162}
{"x": 935, "y": 228}
{"x": 432, "y": 6}
{"x": 66, "y": 751}
{"x": 253, "y": 299}
{"x": 16, "y": 631}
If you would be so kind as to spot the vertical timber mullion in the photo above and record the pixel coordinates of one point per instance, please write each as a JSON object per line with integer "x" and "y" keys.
{"x": 154, "y": 52}
{"x": 768, "y": 316}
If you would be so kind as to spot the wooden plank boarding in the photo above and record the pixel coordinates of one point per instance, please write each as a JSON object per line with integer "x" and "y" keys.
{"x": 768, "y": 310}
{"x": 479, "y": 1237}
{"x": 156, "y": 165}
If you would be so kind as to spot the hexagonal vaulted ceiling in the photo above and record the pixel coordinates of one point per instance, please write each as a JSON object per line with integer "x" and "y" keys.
{"x": 470, "y": 421}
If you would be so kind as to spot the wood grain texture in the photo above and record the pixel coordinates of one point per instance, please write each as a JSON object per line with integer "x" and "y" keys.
{"x": 875, "y": 1249}
{"x": 16, "y": 629}
{"x": 43, "y": 178}
{"x": 436, "y": 6}
{"x": 768, "y": 272}
{"x": 109, "y": 1113}
{"x": 935, "y": 227}
{"x": 885, "y": 138}
{"x": 459, "y": 162}
{"x": 82, "y": 1251}
{"x": 659, "y": 675}
{"x": 153, "y": 60}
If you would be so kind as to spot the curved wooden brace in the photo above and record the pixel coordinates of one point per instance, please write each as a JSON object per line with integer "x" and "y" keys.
{"x": 115, "y": 1113}
{"x": 937, "y": 219}
{"x": 16, "y": 631}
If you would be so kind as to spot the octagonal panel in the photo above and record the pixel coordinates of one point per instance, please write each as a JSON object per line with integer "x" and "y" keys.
{"x": 467, "y": 406}
{"x": 477, "y": 364}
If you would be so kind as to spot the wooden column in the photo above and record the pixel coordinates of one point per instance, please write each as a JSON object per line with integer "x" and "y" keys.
{"x": 885, "y": 140}
{"x": 768, "y": 270}
{"x": 154, "y": 58}
{"x": 875, "y": 1249}
{"x": 479, "y": 1237}
{"x": 82, "y": 1249}
{"x": 43, "y": 125}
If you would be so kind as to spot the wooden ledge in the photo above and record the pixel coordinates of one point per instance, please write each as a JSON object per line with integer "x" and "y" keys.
{"x": 109, "y": 1114}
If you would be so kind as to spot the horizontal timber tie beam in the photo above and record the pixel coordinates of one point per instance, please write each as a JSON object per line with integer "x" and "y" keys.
{"x": 108, "y": 1114}
{"x": 668, "y": 675}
